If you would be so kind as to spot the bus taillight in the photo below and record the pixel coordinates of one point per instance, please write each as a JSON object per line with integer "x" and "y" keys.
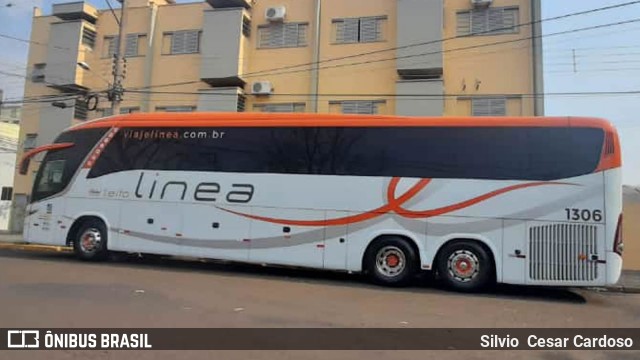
{"x": 618, "y": 245}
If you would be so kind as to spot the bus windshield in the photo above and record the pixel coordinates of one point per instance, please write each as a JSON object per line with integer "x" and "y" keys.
{"x": 59, "y": 166}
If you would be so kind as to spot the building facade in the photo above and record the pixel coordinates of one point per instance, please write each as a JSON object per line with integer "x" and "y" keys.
{"x": 406, "y": 57}
{"x": 8, "y": 147}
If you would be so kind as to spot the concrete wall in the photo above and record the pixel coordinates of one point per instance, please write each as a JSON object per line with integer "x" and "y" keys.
{"x": 63, "y": 51}
{"x": 419, "y": 22}
{"x": 220, "y": 46}
{"x": 219, "y": 100}
{"x": 495, "y": 69}
{"x": 420, "y": 106}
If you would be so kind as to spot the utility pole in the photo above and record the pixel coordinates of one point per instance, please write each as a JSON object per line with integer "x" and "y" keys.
{"x": 117, "y": 89}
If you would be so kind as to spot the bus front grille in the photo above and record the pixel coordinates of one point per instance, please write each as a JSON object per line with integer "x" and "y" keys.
{"x": 563, "y": 252}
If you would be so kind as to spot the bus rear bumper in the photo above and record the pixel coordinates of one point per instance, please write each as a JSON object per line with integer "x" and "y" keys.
{"x": 614, "y": 268}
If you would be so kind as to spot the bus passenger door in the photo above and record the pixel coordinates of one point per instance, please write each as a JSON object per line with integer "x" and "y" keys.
{"x": 335, "y": 242}
{"x": 212, "y": 233}
{"x": 297, "y": 245}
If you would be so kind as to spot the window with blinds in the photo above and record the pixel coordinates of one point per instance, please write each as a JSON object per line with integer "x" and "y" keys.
{"x": 184, "y": 42}
{"x": 129, "y": 110}
{"x": 135, "y": 45}
{"x": 489, "y": 21}
{"x": 106, "y": 112}
{"x": 365, "y": 107}
{"x": 489, "y": 107}
{"x": 109, "y": 46}
{"x": 359, "y": 30}
{"x": 88, "y": 37}
{"x": 280, "y": 108}
{"x": 80, "y": 111}
{"x": 282, "y": 35}
{"x": 241, "y": 103}
{"x": 7, "y": 193}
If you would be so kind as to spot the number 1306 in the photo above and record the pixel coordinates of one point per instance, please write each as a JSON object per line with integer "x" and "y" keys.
{"x": 583, "y": 214}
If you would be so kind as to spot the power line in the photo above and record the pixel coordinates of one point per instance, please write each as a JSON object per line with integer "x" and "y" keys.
{"x": 35, "y": 42}
{"x": 449, "y": 38}
{"x": 113, "y": 12}
{"x": 420, "y": 96}
{"x": 468, "y": 47}
{"x": 595, "y": 27}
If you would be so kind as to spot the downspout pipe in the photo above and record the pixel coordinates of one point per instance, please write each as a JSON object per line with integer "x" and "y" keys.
{"x": 537, "y": 60}
{"x": 315, "y": 71}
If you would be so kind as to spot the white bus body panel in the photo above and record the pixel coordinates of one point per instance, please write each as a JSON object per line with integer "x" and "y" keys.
{"x": 140, "y": 219}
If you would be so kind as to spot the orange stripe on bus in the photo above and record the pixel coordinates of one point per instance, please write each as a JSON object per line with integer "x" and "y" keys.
{"x": 395, "y": 205}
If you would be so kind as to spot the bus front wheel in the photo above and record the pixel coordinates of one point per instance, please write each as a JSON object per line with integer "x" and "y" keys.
{"x": 391, "y": 261}
{"x": 91, "y": 241}
{"x": 465, "y": 266}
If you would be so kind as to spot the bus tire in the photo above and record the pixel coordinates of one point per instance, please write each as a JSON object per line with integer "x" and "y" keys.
{"x": 391, "y": 261}
{"x": 465, "y": 266}
{"x": 90, "y": 243}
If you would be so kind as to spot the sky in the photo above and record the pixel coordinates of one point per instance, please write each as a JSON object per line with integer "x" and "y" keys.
{"x": 606, "y": 59}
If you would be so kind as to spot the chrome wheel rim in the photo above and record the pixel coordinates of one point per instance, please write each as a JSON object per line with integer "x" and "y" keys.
{"x": 390, "y": 261}
{"x": 90, "y": 240}
{"x": 463, "y": 265}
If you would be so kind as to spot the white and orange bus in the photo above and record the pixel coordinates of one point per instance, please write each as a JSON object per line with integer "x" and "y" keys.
{"x": 534, "y": 201}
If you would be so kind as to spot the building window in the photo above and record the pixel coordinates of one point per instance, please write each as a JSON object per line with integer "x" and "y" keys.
{"x": 283, "y": 35}
{"x": 175, "y": 108}
{"x": 242, "y": 100}
{"x": 7, "y": 193}
{"x": 80, "y": 111}
{"x": 30, "y": 141}
{"x": 109, "y": 46}
{"x": 246, "y": 26}
{"x": 489, "y": 21}
{"x": 14, "y": 112}
{"x": 89, "y": 37}
{"x": 135, "y": 45}
{"x": 280, "y": 108}
{"x": 181, "y": 42}
{"x": 129, "y": 110}
{"x": 359, "y": 30}
{"x": 37, "y": 75}
{"x": 365, "y": 107}
{"x": 105, "y": 112}
{"x": 489, "y": 107}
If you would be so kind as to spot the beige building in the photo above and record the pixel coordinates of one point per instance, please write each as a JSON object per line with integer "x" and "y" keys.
{"x": 407, "y": 57}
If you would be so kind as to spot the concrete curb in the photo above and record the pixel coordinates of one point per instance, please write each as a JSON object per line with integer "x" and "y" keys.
{"x": 32, "y": 247}
{"x": 623, "y": 289}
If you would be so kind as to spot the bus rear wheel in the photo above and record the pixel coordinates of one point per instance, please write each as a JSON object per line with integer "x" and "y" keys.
{"x": 391, "y": 261}
{"x": 465, "y": 266}
{"x": 90, "y": 242}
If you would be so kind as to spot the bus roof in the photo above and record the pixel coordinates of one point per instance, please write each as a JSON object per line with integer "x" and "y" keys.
{"x": 204, "y": 119}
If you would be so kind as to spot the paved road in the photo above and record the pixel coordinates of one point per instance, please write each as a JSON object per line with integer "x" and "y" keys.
{"x": 55, "y": 290}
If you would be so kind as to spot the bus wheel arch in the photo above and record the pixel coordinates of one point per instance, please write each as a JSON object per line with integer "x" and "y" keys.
{"x": 94, "y": 230}
{"x": 391, "y": 260}
{"x": 466, "y": 264}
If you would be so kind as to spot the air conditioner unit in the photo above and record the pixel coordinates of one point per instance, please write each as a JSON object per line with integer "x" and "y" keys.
{"x": 481, "y": 3}
{"x": 261, "y": 88}
{"x": 276, "y": 13}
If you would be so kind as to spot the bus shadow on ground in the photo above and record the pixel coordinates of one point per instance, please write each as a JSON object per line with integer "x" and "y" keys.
{"x": 424, "y": 283}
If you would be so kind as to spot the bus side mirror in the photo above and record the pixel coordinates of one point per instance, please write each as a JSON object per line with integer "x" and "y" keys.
{"x": 24, "y": 166}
